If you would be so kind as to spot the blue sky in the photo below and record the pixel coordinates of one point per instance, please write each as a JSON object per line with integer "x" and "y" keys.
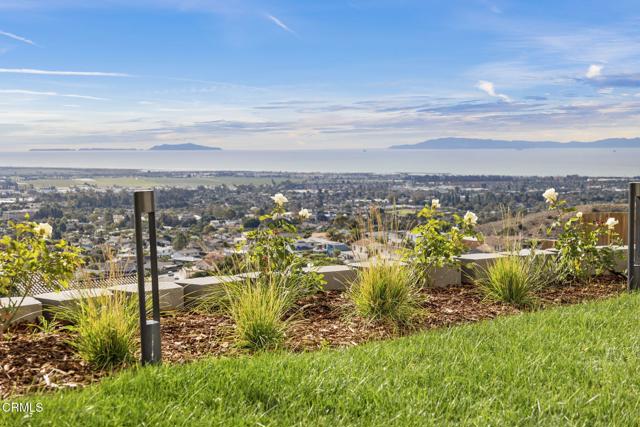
{"x": 315, "y": 74}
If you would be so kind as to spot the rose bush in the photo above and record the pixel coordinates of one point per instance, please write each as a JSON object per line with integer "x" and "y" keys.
{"x": 270, "y": 249}
{"x": 438, "y": 242}
{"x": 579, "y": 255}
{"x": 29, "y": 256}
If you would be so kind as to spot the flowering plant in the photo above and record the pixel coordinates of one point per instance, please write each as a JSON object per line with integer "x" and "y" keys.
{"x": 28, "y": 254}
{"x": 438, "y": 241}
{"x": 270, "y": 248}
{"x": 577, "y": 241}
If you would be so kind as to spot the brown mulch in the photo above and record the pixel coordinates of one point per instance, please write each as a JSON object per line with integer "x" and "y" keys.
{"x": 31, "y": 360}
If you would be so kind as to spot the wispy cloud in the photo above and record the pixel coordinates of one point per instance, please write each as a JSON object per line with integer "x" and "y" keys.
{"x": 494, "y": 8}
{"x": 280, "y": 24}
{"x": 17, "y": 37}
{"x": 62, "y": 73}
{"x": 490, "y": 90}
{"x": 39, "y": 93}
{"x": 614, "y": 80}
{"x": 595, "y": 70}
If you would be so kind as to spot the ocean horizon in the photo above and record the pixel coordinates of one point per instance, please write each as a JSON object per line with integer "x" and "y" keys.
{"x": 531, "y": 162}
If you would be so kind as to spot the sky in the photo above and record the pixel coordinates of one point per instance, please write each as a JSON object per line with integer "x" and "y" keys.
{"x": 330, "y": 74}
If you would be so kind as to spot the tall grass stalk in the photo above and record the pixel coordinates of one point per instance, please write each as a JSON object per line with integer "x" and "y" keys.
{"x": 385, "y": 291}
{"x": 380, "y": 234}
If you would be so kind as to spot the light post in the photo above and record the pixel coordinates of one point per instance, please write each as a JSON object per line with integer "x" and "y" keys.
{"x": 144, "y": 202}
{"x": 634, "y": 236}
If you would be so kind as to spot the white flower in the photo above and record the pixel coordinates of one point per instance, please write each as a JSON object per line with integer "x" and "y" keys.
{"x": 579, "y": 214}
{"x": 279, "y": 199}
{"x": 470, "y": 218}
{"x": 304, "y": 214}
{"x": 435, "y": 203}
{"x": 550, "y": 196}
{"x": 611, "y": 223}
{"x": 44, "y": 229}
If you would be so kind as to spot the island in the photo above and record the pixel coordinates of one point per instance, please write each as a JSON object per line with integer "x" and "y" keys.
{"x": 453, "y": 143}
{"x": 183, "y": 147}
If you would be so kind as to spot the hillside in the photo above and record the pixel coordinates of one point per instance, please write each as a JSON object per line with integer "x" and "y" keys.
{"x": 453, "y": 143}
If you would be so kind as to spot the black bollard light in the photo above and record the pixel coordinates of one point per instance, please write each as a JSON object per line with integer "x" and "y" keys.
{"x": 144, "y": 203}
{"x": 634, "y": 236}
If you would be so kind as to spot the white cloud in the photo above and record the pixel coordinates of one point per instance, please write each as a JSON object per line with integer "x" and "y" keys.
{"x": 17, "y": 37}
{"x": 39, "y": 93}
{"x": 279, "y": 23}
{"x": 490, "y": 90}
{"x": 594, "y": 71}
{"x": 61, "y": 73}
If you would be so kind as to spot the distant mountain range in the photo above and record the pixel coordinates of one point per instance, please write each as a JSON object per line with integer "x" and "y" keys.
{"x": 183, "y": 147}
{"x": 485, "y": 144}
{"x": 163, "y": 147}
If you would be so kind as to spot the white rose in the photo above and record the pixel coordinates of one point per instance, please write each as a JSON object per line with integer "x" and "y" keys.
{"x": 435, "y": 203}
{"x": 279, "y": 199}
{"x": 611, "y": 223}
{"x": 550, "y": 196}
{"x": 44, "y": 229}
{"x": 470, "y": 218}
{"x": 304, "y": 214}
{"x": 579, "y": 214}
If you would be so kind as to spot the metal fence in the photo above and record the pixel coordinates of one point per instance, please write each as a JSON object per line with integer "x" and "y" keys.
{"x": 37, "y": 285}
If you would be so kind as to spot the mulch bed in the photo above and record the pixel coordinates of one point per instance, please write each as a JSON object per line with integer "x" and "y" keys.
{"x": 31, "y": 360}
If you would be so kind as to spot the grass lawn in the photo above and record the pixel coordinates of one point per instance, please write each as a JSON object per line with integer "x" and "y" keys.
{"x": 574, "y": 365}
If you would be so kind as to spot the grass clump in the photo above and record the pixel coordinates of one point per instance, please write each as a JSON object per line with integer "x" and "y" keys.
{"x": 514, "y": 279}
{"x": 385, "y": 291}
{"x": 258, "y": 307}
{"x": 105, "y": 329}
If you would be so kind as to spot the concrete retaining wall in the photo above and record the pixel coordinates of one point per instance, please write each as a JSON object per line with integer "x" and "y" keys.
{"x": 338, "y": 277}
{"x": 28, "y": 309}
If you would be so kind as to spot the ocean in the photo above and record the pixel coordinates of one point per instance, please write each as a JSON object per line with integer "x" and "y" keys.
{"x": 532, "y": 162}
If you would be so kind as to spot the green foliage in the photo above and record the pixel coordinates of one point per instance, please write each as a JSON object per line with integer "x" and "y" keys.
{"x": 28, "y": 256}
{"x": 258, "y": 308}
{"x": 270, "y": 250}
{"x": 385, "y": 291}
{"x": 179, "y": 241}
{"x": 579, "y": 256}
{"x": 438, "y": 240}
{"x": 514, "y": 279}
{"x": 105, "y": 329}
{"x": 46, "y": 326}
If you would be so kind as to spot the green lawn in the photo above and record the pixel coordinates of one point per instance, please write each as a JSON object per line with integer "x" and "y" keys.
{"x": 568, "y": 366}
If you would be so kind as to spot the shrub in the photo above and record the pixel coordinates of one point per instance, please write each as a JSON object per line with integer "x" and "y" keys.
{"x": 105, "y": 329}
{"x": 579, "y": 255}
{"x": 438, "y": 241}
{"x": 270, "y": 249}
{"x": 514, "y": 279}
{"x": 258, "y": 307}
{"x": 385, "y": 291}
{"x": 29, "y": 256}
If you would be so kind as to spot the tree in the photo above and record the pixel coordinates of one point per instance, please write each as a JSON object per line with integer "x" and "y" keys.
{"x": 179, "y": 241}
{"x": 251, "y": 222}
